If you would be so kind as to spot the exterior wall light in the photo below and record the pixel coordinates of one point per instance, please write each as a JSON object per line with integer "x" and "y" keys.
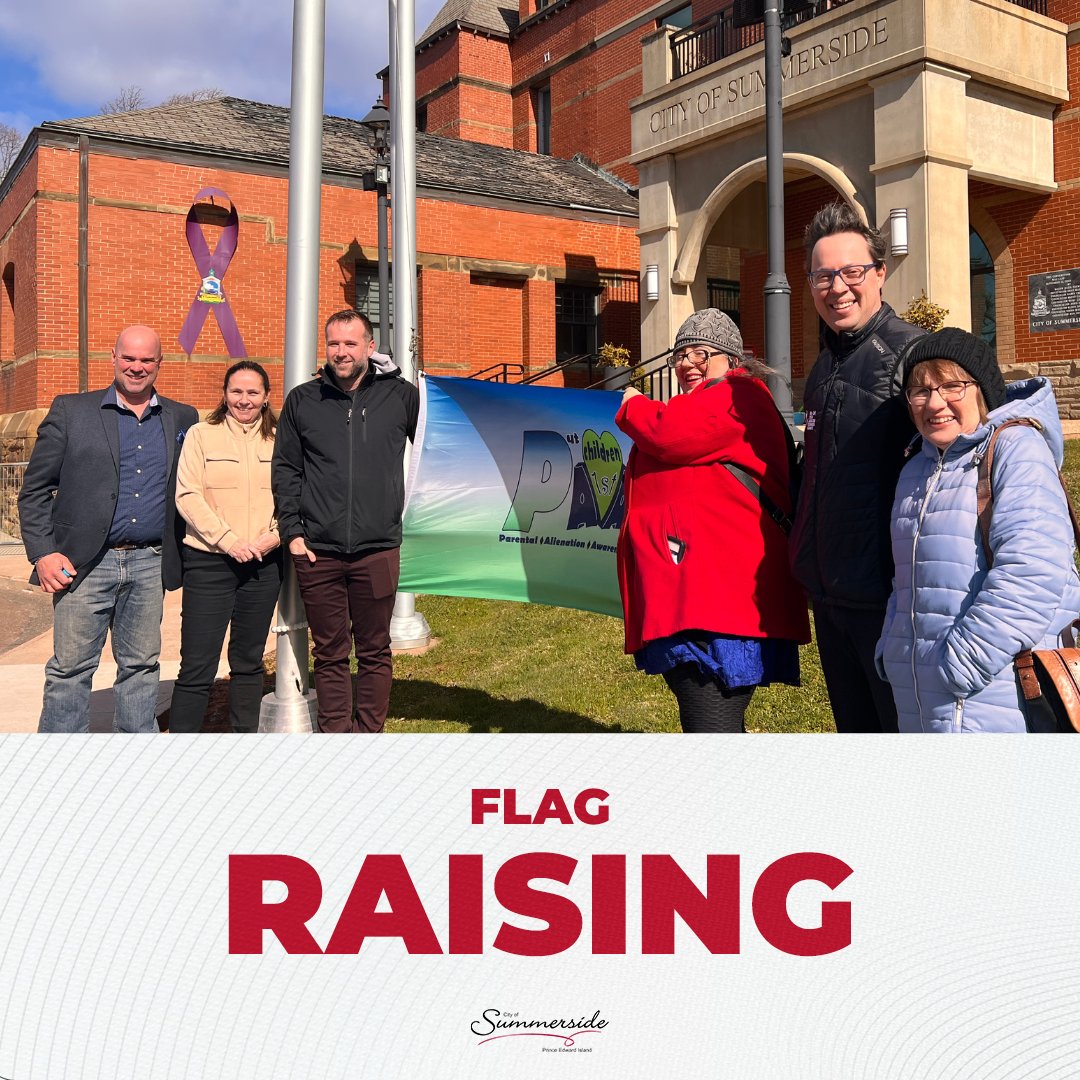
{"x": 898, "y": 231}
{"x": 652, "y": 282}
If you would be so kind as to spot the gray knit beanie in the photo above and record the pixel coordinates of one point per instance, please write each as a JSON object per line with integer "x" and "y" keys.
{"x": 710, "y": 327}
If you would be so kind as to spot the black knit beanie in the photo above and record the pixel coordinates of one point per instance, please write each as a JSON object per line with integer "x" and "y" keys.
{"x": 966, "y": 351}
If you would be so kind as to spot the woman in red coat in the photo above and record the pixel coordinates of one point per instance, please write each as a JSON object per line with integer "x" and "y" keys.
{"x": 708, "y": 599}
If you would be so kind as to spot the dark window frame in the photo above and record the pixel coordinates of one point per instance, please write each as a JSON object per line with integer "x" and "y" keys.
{"x": 577, "y": 320}
{"x": 541, "y": 96}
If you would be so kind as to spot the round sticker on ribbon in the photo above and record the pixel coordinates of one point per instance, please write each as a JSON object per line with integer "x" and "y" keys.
{"x": 212, "y": 268}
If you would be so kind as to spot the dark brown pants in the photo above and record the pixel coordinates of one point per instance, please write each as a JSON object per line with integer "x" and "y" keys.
{"x": 349, "y": 600}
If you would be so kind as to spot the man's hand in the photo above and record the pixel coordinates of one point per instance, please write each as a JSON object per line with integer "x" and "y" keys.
{"x": 55, "y": 572}
{"x": 297, "y": 546}
{"x": 629, "y": 392}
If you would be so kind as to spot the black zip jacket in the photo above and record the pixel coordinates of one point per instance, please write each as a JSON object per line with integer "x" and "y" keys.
{"x": 857, "y": 426}
{"x": 337, "y": 471}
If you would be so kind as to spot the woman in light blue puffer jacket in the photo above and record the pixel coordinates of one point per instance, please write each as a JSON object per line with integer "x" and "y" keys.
{"x": 952, "y": 626}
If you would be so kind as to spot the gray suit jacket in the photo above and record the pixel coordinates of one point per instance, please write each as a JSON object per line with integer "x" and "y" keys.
{"x": 77, "y": 456}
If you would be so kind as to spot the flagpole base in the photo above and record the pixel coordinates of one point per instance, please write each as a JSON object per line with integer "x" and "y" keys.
{"x": 278, "y": 716}
{"x": 408, "y": 628}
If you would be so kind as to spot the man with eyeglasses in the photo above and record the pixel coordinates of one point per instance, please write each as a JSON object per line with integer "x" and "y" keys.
{"x": 98, "y": 516}
{"x": 856, "y": 431}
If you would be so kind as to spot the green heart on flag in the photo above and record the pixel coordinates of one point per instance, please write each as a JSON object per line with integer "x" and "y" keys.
{"x": 603, "y": 460}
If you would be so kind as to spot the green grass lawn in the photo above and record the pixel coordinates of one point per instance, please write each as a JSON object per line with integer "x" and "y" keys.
{"x": 524, "y": 667}
{"x": 501, "y": 666}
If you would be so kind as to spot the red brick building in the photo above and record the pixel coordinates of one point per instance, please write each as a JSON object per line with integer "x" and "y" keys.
{"x": 963, "y": 113}
{"x": 520, "y": 257}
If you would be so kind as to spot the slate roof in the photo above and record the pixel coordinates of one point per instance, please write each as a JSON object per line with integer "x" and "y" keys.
{"x": 234, "y": 127}
{"x": 488, "y": 15}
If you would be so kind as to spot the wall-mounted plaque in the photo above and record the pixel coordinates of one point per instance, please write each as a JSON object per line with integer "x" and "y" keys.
{"x": 1054, "y": 301}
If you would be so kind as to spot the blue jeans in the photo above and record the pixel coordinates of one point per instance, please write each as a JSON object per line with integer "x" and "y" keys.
{"x": 122, "y": 592}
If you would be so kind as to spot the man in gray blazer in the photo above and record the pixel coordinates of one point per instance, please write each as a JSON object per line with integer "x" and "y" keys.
{"x": 99, "y": 523}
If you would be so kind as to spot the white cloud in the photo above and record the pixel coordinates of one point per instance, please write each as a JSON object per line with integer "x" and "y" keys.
{"x": 85, "y": 52}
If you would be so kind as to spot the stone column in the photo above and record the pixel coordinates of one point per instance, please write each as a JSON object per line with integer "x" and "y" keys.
{"x": 922, "y": 163}
{"x": 659, "y": 236}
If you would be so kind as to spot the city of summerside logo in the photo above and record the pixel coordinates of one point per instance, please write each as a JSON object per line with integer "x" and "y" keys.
{"x": 549, "y": 1034}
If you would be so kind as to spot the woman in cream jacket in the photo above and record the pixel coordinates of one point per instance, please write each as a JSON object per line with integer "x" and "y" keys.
{"x": 232, "y": 554}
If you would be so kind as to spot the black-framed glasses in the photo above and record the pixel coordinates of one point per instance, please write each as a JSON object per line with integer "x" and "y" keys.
{"x": 697, "y": 357}
{"x": 850, "y": 275}
{"x": 954, "y": 390}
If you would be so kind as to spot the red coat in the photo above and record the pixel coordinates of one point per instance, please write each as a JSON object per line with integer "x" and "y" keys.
{"x": 733, "y": 576}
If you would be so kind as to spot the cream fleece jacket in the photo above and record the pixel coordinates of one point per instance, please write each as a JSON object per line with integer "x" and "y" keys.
{"x": 223, "y": 485}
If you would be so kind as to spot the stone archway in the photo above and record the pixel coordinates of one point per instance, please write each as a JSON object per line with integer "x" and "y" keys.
{"x": 686, "y": 263}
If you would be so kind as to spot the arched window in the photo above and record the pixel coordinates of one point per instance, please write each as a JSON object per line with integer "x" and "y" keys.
{"x": 983, "y": 297}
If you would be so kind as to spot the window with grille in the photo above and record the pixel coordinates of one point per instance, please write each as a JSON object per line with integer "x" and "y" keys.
{"x": 367, "y": 301}
{"x": 724, "y": 295}
{"x": 576, "y": 318}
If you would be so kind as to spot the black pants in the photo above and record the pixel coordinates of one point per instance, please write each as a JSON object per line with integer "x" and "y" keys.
{"x": 846, "y": 638}
{"x": 221, "y": 593}
{"x": 705, "y": 705}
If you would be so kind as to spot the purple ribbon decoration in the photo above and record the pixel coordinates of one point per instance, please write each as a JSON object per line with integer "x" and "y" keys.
{"x": 211, "y": 270}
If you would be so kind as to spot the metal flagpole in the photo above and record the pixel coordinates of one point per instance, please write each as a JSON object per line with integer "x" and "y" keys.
{"x": 777, "y": 288}
{"x": 408, "y": 628}
{"x": 292, "y": 705}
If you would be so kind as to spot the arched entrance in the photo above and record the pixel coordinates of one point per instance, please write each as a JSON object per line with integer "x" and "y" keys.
{"x": 721, "y": 257}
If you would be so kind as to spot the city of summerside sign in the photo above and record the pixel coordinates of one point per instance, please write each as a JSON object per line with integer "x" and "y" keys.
{"x": 742, "y": 87}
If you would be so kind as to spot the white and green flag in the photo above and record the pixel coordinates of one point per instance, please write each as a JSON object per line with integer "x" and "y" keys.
{"x": 515, "y": 493}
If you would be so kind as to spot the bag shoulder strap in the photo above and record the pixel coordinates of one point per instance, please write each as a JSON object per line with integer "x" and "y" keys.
{"x": 750, "y": 483}
{"x": 985, "y": 493}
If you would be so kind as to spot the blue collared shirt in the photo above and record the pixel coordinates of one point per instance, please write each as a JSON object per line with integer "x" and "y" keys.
{"x": 140, "y": 502}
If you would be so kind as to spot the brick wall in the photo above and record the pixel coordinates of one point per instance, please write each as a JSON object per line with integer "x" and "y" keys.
{"x": 140, "y": 270}
{"x": 463, "y": 81}
{"x": 591, "y": 87}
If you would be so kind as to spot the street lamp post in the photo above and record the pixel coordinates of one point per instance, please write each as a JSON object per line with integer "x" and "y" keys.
{"x": 378, "y": 123}
{"x": 408, "y": 627}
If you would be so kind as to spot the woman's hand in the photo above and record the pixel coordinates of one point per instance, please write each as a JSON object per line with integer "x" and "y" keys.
{"x": 630, "y": 392}
{"x": 243, "y": 551}
{"x": 266, "y": 542}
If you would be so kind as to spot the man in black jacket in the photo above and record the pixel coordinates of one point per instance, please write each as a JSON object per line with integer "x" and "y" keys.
{"x": 856, "y": 431}
{"x": 339, "y": 486}
{"x": 98, "y": 517}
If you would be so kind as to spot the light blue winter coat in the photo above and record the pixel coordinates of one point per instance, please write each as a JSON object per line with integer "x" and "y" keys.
{"x": 952, "y": 628}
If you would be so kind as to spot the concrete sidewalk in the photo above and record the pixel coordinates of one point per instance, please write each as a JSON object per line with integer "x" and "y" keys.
{"x": 22, "y": 669}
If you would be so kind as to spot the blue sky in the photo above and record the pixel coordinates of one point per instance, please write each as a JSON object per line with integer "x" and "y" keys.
{"x": 64, "y": 58}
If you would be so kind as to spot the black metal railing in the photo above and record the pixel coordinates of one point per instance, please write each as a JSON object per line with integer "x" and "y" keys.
{"x": 709, "y": 40}
{"x": 588, "y": 359}
{"x": 498, "y": 372}
{"x": 652, "y": 377}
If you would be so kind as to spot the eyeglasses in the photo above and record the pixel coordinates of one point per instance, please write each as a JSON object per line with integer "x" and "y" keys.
{"x": 850, "y": 275}
{"x": 949, "y": 391}
{"x": 697, "y": 357}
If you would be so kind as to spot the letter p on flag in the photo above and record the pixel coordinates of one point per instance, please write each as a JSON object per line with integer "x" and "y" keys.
{"x": 547, "y": 467}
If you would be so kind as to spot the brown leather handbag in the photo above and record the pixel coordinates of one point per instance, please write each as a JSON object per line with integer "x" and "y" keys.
{"x": 1049, "y": 678}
